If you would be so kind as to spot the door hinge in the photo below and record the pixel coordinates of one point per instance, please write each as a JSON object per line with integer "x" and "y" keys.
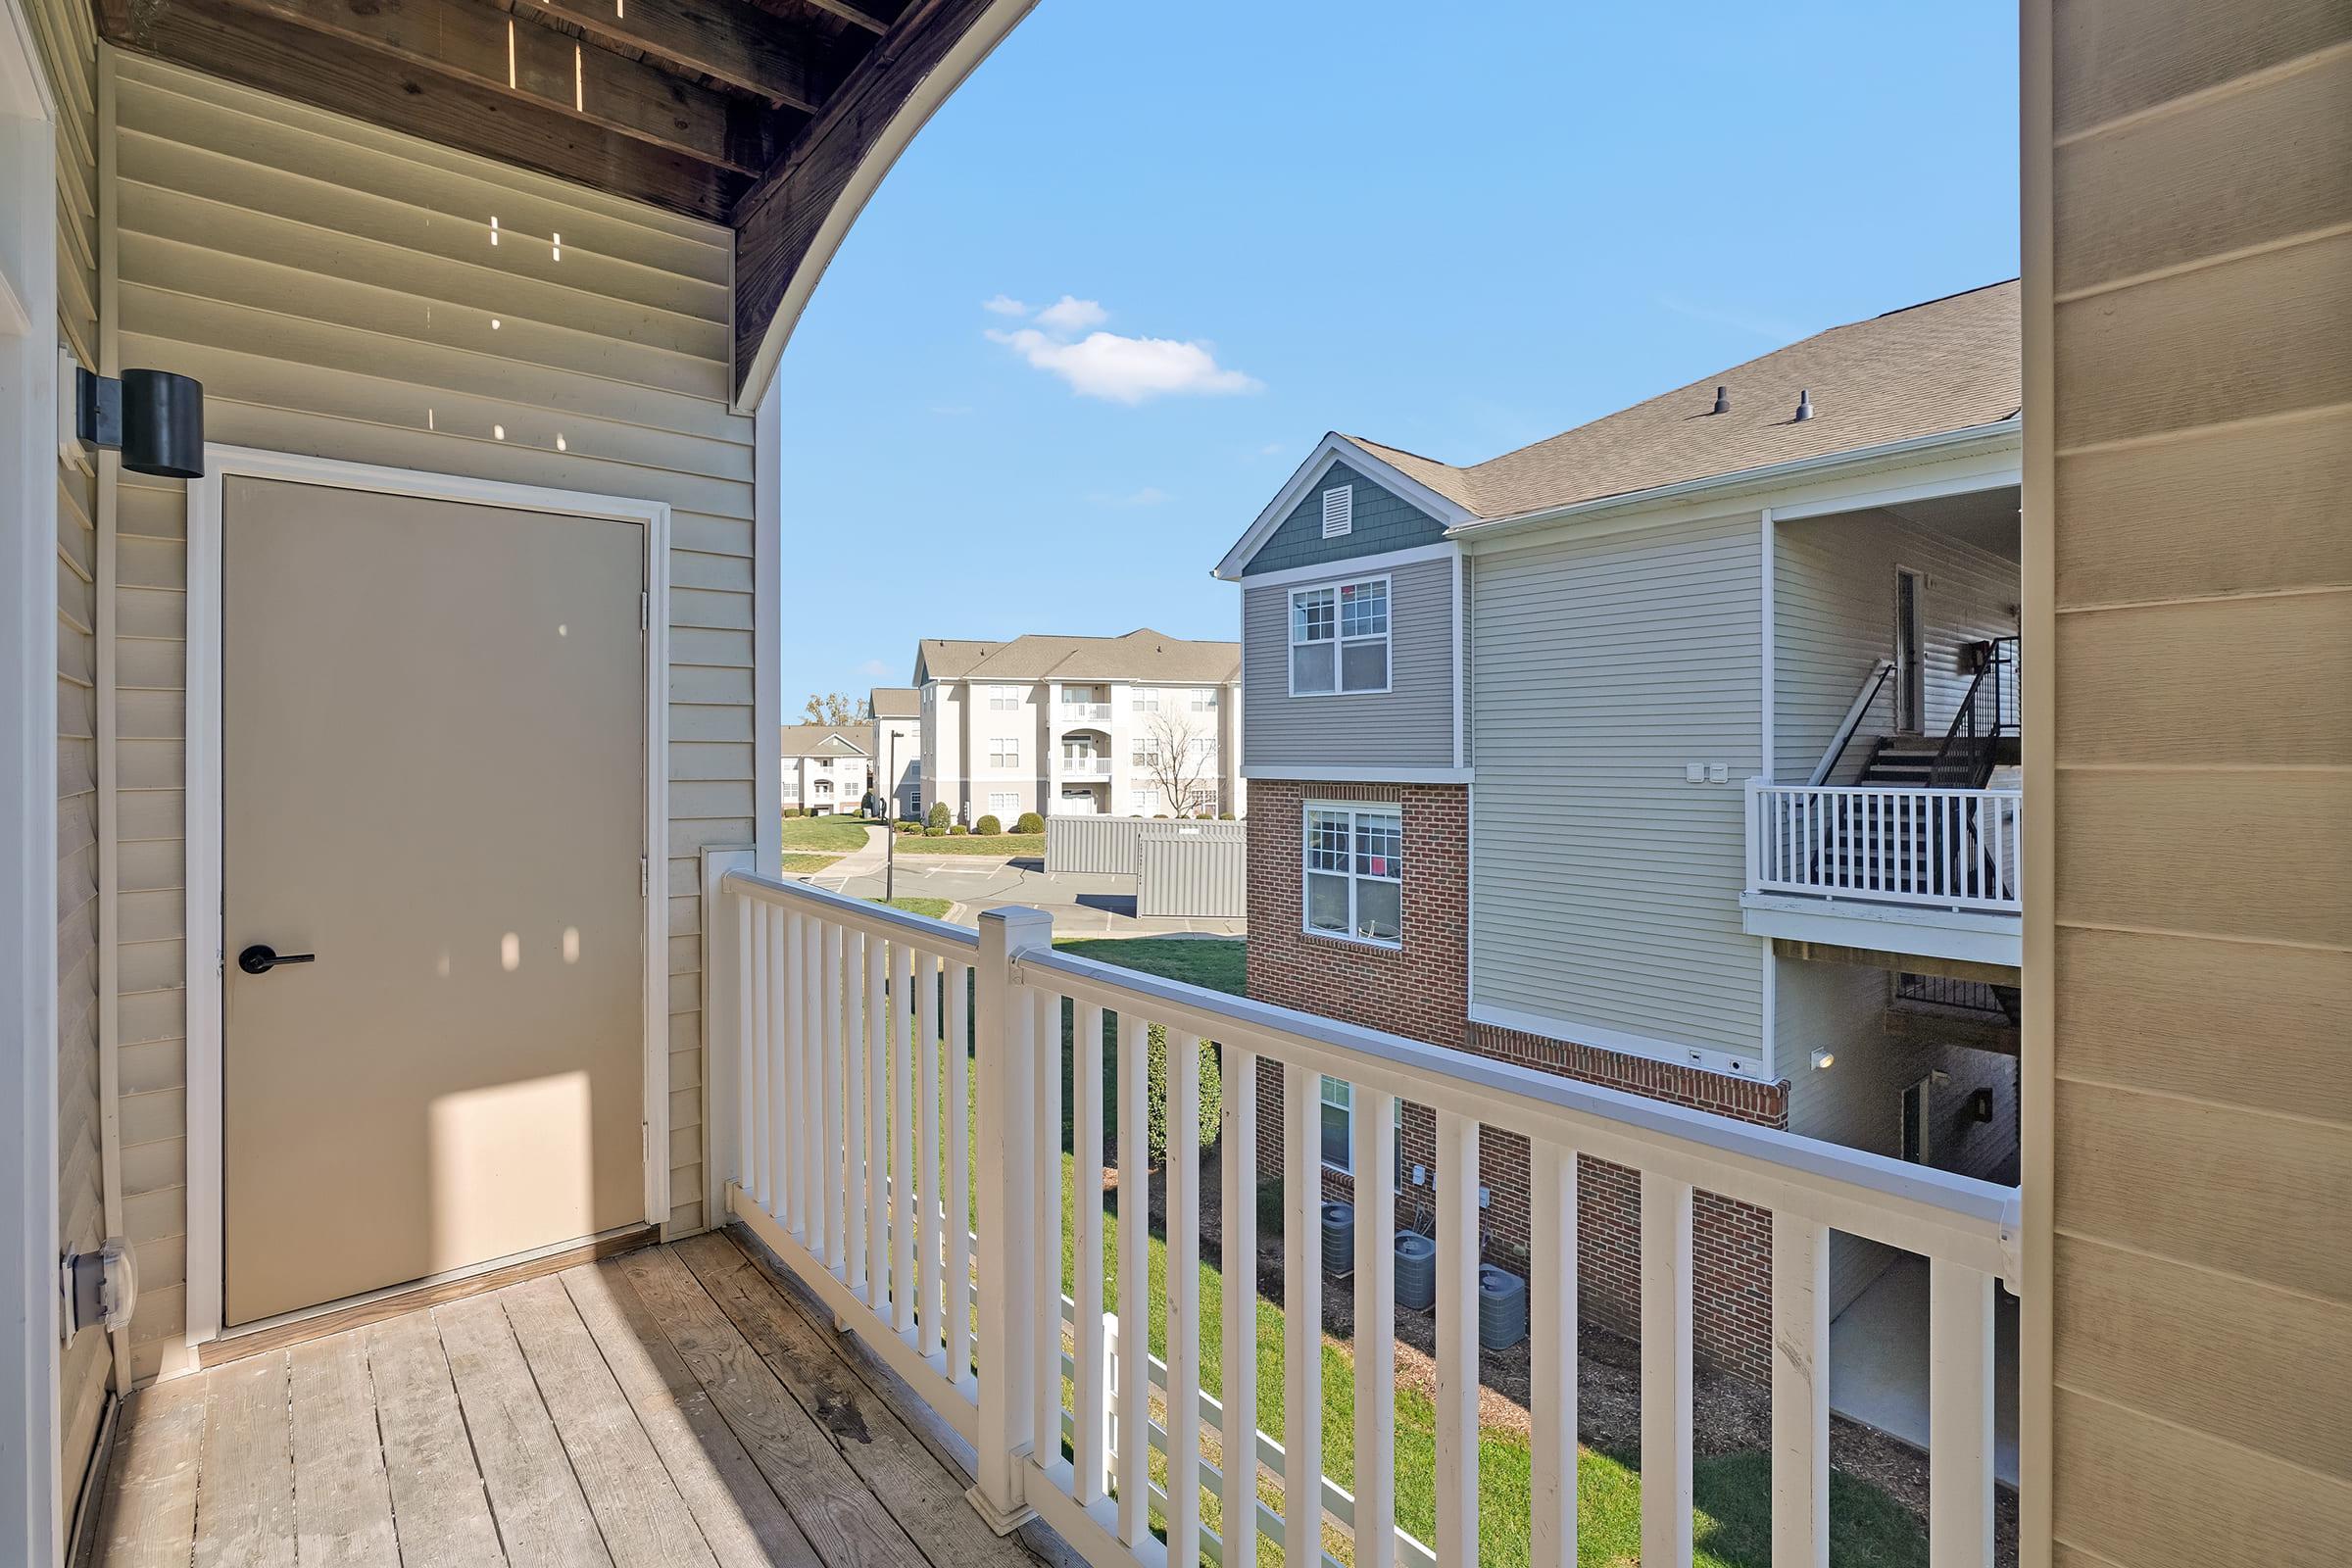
{"x": 645, "y": 876}
{"x": 644, "y": 611}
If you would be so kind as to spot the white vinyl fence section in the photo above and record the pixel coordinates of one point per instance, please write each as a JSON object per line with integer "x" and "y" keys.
{"x": 1946, "y": 848}
{"x": 839, "y": 1123}
{"x": 1093, "y": 846}
{"x": 1192, "y": 870}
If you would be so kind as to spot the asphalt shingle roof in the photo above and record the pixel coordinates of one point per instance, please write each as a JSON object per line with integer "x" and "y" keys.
{"x": 1141, "y": 655}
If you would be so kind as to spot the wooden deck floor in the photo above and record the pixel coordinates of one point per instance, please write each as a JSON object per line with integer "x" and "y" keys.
{"x": 669, "y": 1406}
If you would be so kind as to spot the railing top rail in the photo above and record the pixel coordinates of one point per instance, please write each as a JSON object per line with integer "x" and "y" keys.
{"x": 1954, "y": 791}
{"x": 874, "y": 919}
{"x": 1915, "y": 1207}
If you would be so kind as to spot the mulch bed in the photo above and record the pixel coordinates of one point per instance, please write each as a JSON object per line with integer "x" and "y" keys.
{"x": 1728, "y": 1414}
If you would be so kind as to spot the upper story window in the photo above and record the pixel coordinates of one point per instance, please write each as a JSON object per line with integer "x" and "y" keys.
{"x": 1354, "y": 866}
{"x": 1340, "y": 638}
{"x": 1004, "y": 752}
{"x": 1147, "y": 700}
{"x": 1004, "y": 699}
{"x": 1204, "y": 700}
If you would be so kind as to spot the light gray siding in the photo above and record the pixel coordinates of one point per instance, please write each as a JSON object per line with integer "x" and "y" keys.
{"x": 1409, "y": 725}
{"x": 1382, "y": 521}
{"x": 1607, "y": 888}
{"x": 1834, "y": 619}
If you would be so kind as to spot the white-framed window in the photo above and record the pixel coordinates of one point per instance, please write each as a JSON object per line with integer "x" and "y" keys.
{"x": 1004, "y": 700}
{"x": 1204, "y": 701}
{"x": 1145, "y": 799}
{"x": 1004, "y": 752}
{"x": 1355, "y": 872}
{"x": 1146, "y": 750}
{"x": 825, "y": 786}
{"x": 1340, "y": 638}
{"x": 1146, "y": 701}
{"x": 1339, "y": 1128}
{"x": 1001, "y": 803}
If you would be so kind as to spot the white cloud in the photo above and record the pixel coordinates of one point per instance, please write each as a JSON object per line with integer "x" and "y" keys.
{"x": 1071, "y": 314}
{"x": 1150, "y": 495}
{"x": 1128, "y": 369}
{"x": 875, "y": 668}
{"x": 1004, "y": 305}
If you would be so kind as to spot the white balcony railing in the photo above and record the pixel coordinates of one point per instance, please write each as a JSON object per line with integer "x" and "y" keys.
{"x": 1939, "y": 848}
{"x": 1083, "y": 713}
{"x": 840, "y": 1088}
{"x": 1093, "y": 766}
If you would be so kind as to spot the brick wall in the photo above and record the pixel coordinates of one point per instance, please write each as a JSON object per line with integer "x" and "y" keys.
{"x": 1421, "y": 990}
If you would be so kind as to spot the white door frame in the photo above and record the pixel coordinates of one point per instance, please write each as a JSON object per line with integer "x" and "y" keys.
{"x": 31, "y": 1521}
{"x": 204, "y": 814}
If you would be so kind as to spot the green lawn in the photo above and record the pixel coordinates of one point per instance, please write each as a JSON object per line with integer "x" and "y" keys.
{"x": 996, "y": 844}
{"x": 1732, "y": 1493}
{"x": 813, "y": 843}
{"x": 935, "y": 908}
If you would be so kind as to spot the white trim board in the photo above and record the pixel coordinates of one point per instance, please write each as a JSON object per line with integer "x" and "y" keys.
{"x": 1334, "y": 448}
{"x": 205, "y": 945}
{"x": 1351, "y": 567}
{"x": 1754, "y": 1066}
{"x": 1359, "y": 774}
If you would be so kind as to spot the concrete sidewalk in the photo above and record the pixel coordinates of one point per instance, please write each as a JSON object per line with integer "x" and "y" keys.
{"x": 868, "y": 857}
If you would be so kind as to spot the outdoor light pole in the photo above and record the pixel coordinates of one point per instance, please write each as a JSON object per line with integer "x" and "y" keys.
{"x": 890, "y": 851}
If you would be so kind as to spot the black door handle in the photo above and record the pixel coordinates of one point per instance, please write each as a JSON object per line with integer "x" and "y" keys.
{"x": 260, "y": 959}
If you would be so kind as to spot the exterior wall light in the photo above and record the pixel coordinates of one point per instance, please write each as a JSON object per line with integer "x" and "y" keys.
{"x": 153, "y": 418}
{"x": 1824, "y": 1060}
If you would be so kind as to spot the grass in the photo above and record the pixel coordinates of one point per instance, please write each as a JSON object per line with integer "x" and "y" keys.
{"x": 1732, "y": 1519}
{"x": 913, "y": 904}
{"x": 1004, "y": 845}
{"x": 813, "y": 843}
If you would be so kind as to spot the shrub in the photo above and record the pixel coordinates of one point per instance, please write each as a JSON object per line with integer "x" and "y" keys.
{"x": 988, "y": 827}
{"x": 1225, "y": 816}
{"x": 1029, "y": 822}
{"x": 939, "y": 817}
{"x": 1212, "y": 1092}
{"x": 935, "y": 832}
{"x": 959, "y": 831}
{"x": 908, "y": 827}
{"x": 792, "y": 810}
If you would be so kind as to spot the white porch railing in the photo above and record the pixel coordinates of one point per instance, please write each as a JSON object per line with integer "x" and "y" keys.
{"x": 1083, "y": 713}
{"x": 1097, "y": 766}
{"x": 839, "y": 1096}
{"x": 1944, "y": 849}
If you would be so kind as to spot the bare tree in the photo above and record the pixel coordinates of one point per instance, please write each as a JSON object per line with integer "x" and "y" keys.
{"x": 1178, "y": 753}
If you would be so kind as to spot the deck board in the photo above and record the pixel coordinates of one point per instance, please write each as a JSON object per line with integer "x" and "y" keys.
{"x": 656, "y": 1408}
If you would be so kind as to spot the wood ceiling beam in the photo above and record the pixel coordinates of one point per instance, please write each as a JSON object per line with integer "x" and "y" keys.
{"x": 473, "y": 43}
{"x": 334, "y": 72}
{"x": 738, "y": 44}
{"x": 787, "y": 227}
{"x": 856, "y": 14}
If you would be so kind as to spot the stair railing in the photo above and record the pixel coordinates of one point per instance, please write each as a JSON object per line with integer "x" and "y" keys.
{"x": 1872, "y": 684}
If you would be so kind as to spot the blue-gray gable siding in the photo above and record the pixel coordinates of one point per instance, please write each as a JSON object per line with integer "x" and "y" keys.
{"x": 1410, "y": 725}
{"x": 1383, "y": 521}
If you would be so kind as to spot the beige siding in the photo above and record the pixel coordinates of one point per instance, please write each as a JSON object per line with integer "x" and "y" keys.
{"x": 1409, "y": 725}
{"x": 335, "y": 288}
{"x": 2196, "y": 303}
{"x": 1608, "y": 888}
{"x": 64, "y": 33}
{"x": 1833, "y": 596}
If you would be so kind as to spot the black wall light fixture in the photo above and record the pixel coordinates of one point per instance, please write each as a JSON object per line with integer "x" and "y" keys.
{"x": 153, "y": 418}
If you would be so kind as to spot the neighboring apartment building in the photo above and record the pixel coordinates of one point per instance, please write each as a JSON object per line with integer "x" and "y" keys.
{"x": 827, "y": 767}
{"x": 898, "y": 714}
{"x": 1610, "y": 756}
{"x": 1139, "y": 725}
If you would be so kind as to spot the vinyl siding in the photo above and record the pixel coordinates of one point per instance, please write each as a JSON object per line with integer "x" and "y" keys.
{"x": 1382, "y": 522}
{"x": 65, "y": 37}
{"x": 2197, "y": 911}
{"x": 334, "y": 286}
{"x": 1409, "y": 725}
{"x": 1608, "y": 889}
{"x": 1832, "y": 597}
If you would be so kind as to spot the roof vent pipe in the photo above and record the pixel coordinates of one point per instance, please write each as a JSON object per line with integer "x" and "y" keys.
{"x": 1804, "y": 405}
{"x": 1723, "y": 401}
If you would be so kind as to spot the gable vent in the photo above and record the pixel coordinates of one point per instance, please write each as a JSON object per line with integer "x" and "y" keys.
{"x": 1339, "y": 511}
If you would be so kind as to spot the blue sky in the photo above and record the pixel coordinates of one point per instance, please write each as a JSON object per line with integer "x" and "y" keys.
{"x": 1212, "y": 230}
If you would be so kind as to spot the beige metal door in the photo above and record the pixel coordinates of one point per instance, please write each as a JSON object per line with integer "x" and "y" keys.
{"x": 433, "y": 779}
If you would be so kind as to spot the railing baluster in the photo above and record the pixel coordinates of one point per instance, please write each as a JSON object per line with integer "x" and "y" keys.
{"x": 1184, "y": 1300}
{"x": 1045, "y": 1028}
{"x": 960, "y": 1170}
{"x": 1375, "y": 1329}
{"x": 1134, "y": 1283}
{"x": 1960, "y": 1430}
{"x": 835, "y": 1002}
{"x": 1800, "y": 1393}
{"x": 903, "y": 1289}
{"x": 1302, "y": 1313}
{"x": 811, "y": 1106}
{"x": 1238, "y": 1494}
{"x": 752, "y": 952}
{"x": 877, "y": 1126}
{"x": 1551, "y": 1355}
{"x": 853, "y": 945}
{"x": 782, "y": 1009}
{"x": 1665, "y": 1371}
{"x": 928, "y": 1307}
{"x": 1457, "y": 1338}
{"x": 1089, "y": 1447}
